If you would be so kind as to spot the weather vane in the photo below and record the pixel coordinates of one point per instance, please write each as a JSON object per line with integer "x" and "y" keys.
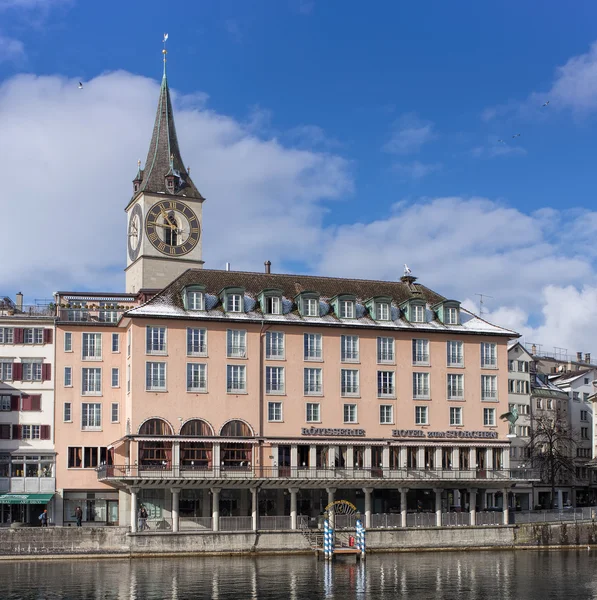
{"x": 164, "y": 51}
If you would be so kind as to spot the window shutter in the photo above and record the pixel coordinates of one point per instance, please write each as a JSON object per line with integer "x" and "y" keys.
{"x": 14, "y": 403}
{"x": 19, "y": 335}
{"x": 4, "y": 432}
{"x": 17, "y": 432}
{"x": 35, "y": 402}
{"x": 17, "y": 371}
{"x": 48, "y": 337}
{"x": 44, "y": 432}
{"x": 26, "y": 402}
{"x": 46, "y": 372}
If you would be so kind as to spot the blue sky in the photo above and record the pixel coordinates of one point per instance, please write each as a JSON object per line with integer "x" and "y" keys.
{"x": 354, "y": 136}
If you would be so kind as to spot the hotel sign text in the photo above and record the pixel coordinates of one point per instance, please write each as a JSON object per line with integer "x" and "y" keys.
{"x": 418, "y": 433}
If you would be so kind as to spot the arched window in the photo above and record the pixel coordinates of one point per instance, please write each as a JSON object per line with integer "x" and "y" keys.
{"x": 236, "y": 429}
{"x": 171, "y": 229}
{"x": 155, "y": 454}
{"x": 196, "y": 455}
{"x": 197, "y": 427}
{"x": 155, "y": 427}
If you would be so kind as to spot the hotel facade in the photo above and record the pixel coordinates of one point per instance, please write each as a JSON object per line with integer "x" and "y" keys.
{"x": 236, "y": 400}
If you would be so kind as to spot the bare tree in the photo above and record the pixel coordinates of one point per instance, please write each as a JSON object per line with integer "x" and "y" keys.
{"x": 552, "y": 448}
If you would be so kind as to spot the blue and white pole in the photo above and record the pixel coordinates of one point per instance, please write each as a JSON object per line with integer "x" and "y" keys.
{"x": 327, "y": 540}
{"x": 360, "y": 535}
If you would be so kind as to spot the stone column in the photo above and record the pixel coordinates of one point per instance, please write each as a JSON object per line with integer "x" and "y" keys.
{"x": 331, "y": 492}
{"x": 350, "y": 457}
{"x": 176, "y": 459}
{"x": 312, "y": 458}
{"x": 506, "y": 509}
{"x": 403, "y": 506}
{"x": 134, "y": 509}
{"x": 368, "y": 492}
{"x": 385, "y": 459}
{"x": 488, "y": 459}
{"x": 216, "y": 458}
{"x": 175, "y": 505}
{"x": 457, "y": 502}
{"x": 421, "y": 459}
{"x": 438, "y": 459}
{"x": 455, "y": 458}
{"x": 293, "y": 509}
{"x": 215, "y": 511}
{"x": 255, "y": 508}
{"x": 560, "y": 499}
{"x": 438, "y": 506}
{"x": 472, "y": 459}
{"x": 473, "y": 505}
{"x": 367, "y": 458}
{"x": 332, "y": 452}
{"x": 293, "y": 459}
{"x": 274, "y": 468}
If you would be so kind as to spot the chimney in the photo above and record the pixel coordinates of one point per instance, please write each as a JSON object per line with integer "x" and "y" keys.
{"x": 579, "y": 357}
{"x": 227, "y": 266}
{"x": 533, "y": 349}
{"x": 19, "y": 301}
{"x": 268, "y": 266}
{"x": 588, "y": 358}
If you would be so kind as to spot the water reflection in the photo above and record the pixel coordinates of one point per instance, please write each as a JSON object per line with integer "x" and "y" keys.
{"x": 447, "y": 576}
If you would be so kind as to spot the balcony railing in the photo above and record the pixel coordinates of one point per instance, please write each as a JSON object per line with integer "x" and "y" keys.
{"x": 119, "y": 472}
{"x": 78, "y": 315}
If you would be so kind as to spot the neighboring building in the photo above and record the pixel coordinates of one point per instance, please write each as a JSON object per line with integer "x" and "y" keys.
{"x": 27, "y": 457}
{"x": 520, "y": 368}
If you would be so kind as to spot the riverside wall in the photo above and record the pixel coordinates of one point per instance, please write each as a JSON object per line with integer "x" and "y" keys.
{"x": 88, "y": 542}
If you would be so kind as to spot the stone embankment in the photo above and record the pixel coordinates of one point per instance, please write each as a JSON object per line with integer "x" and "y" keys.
{"x": 88, "y": 542}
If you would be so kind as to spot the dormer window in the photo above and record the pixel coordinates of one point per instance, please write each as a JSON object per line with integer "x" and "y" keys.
{"x": 346, "y": 309}
{"x": 194, "y": 298}
{"x": 451, "y": 316}
{"x": 234, "y": 303}
{"x": 383, "y": 311}
{"x": 311, "y": 307}
{"x": 380, "y": 308}
{"x": 417, "y": 313}
{"x": 448, "y": 312}
{"x": 273, "y": 305}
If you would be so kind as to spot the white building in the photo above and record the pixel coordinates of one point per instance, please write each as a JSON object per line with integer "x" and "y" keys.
{"x": 27, "y": 457}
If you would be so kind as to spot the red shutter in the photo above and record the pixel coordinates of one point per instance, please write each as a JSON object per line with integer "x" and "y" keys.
{"x": 46, "y": 372}
{"x": 35, "y": 402}
{"x": 26, "y": 402}
{"x": 44, "y": 432}
{"x": 14, "y": 403}
{"x": 17, "y": 371}
{"x": 48, "y": 337}
{"x": 17, "y": 432}
{"x": 4, "y": 432}
{"x": 19, "y": 335}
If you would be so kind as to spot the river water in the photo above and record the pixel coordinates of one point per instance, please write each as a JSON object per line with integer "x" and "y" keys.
{"x": 526, "y": 575}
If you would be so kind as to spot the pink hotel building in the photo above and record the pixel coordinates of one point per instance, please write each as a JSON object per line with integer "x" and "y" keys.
{"x": 227, "y": 400}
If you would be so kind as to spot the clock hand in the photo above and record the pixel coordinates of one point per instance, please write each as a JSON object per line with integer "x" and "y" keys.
{"x": 164, "y": 225}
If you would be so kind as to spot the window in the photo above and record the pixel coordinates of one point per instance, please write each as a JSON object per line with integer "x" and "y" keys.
{"x": 236, "y": 379}
{"x": 67, "y": 414}
{"x": 350, "y": 413}
{"x": 586, "y": 380}
{"x": 349, "y": 379}
{"x": 128, "y": 342}
{"x": 385, "y": 384}
{"x": 274, "y": 345}
{"x": 584, "y": 433}
{"x": 313, "y": 382}
{"x": 6, "y": 370}
{"x": 417, "y": 313}
{"x": 451, "y": 316}
{"x": 517, "y": 386}
{"x": 585, "y": 396}
{"x": 385, "y": 350}
{"x": 489, "y": 417}
{"x": 455, "y": 416}
{"x": 115, "y": 377}
{"x": 33, "y": 336}
{"x": 421, "y": 415}
{"x": 584, "y": 415}
{"x": 32, "y": 369}
{"x": 346, "y": 309}
{"x": 420, "y": 352}
{"x": 274, "y": 411}
{"x": 313, "y": 414}
{"x": 91, "y": 415}
{"x": 383, "y": 311}
{"x": 523, "y": 430}
{"x": 30, "y": 432}
{"x": 115, "y": 412}
{"x": 523, "y": 366}
{"x": 511, "y": 365}
{"x": 539, "y": 403}
{"x": 115, "y": 342}
{"x": 155, "y": 376}
{"x": 420, "y": 385}
{"x": 128, "y": 379}
{"x": 455, "y": 387}
{"x": 455, "y": 354}
{"x": 92, "y": 346}
{"x": 313, "y": 346}
{"x": 196, "y": 342}
{"x": 386, "y": 414}
{"x": 196, "y": 377}
{"x": 273, "y": 305}
{"x": 274, "y": 380}
{"x": 310, "y": 307}
{"x": 5, "y": 403}
{"x": 488, "y": 387}
{"x": 234, "y": 303}
{"x": 576, "y": 396}
{"x": 92, "y": 382}
{"x": 549, "y": 403}
{"x": 68, "y": 376}
{"x": 349, "y": 348}
{"x": 195, "y": 300}
{"x": 236, "y": 343}
{"x": 156, "y": 340}
{"x": 488, "y": 355}
{"x": 7, "y": 335}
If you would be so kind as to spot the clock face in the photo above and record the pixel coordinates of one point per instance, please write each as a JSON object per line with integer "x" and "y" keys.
{"x": 172, "y": 227}
{"x": 135, "y": 232}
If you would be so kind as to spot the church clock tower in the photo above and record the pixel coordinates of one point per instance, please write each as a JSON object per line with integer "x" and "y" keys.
{"x": 164, "y": 216}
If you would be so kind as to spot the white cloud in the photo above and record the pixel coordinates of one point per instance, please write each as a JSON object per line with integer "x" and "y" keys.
{"x": 11, "y": 50}
{"x": 409, "y": 134}
{"x": 415, "y": 169}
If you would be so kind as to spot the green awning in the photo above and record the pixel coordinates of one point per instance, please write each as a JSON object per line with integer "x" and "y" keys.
{"x": 25, "y": 498}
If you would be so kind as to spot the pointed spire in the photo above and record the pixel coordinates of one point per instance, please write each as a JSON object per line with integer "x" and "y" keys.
{"x": 164, "y": 158}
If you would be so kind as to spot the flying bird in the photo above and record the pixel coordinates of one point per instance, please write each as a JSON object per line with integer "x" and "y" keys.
{"x": 516, "y": 135}
{"x": 80, "y": 85}
{"x": 165, "y": 38}
{"x": 546, "y": 103}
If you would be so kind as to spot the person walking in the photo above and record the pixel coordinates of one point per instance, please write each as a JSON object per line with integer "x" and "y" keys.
{"x": 78, "y": 515}
{"x": 44, "y": 518}
{"x": 142, "y": 515}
